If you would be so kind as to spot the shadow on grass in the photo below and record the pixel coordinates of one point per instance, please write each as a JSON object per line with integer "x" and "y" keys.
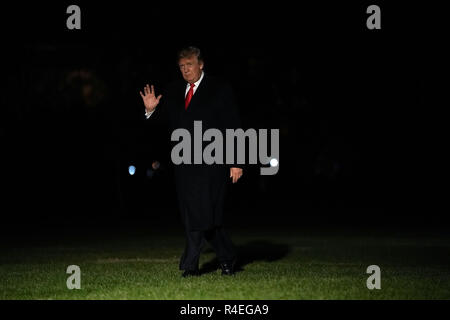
{"x": 248, "y": 253}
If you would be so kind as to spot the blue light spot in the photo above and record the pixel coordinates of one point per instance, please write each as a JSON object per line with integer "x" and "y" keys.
{"x": 131, "y": 170}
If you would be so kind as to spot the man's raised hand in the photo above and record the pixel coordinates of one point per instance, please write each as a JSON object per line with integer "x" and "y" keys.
{"x": 150, "y": 101}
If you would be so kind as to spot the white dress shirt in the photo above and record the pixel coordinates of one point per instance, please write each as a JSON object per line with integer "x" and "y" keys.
{"x": 188, "y": 86}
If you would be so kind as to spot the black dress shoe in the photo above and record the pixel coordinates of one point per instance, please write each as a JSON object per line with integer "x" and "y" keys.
{"x": 227, "y": 268}
{"x": 190, "y": 273}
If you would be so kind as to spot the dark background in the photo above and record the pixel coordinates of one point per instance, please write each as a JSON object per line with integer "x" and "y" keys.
{"x": 351, "y": 105}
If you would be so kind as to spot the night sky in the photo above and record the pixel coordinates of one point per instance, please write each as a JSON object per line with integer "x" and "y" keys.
{"x": 350, "y": 104}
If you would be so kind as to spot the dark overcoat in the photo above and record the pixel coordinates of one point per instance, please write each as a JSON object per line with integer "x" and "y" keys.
{"x": 201, "y": 188}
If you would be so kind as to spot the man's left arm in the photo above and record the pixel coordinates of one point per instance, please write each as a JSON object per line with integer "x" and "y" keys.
{"x": 232, "y": 120}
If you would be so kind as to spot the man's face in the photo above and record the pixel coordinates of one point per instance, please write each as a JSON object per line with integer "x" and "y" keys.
{"x": 190, "y": 68}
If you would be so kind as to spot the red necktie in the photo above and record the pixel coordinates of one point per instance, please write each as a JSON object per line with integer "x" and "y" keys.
{"x": 189, "y": 96}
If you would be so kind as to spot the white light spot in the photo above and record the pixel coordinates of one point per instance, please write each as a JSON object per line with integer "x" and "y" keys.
{"x": 131, "y": 170}
{"x": 273, "y": 162}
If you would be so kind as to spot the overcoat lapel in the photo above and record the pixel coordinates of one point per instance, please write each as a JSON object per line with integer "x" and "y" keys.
{"x": 181, "y": 97}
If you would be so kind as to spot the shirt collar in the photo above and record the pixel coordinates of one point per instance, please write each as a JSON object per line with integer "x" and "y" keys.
{"x": 197, "y": 83}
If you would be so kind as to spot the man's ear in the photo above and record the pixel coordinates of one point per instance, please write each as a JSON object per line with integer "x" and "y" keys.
{"x": 201, "y": 65}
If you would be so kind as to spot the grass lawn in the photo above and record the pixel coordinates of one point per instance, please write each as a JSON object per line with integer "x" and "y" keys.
{"x": 275, "y": 263}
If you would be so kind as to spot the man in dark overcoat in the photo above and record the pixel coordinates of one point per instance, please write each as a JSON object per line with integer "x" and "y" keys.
{"x": 201, "y": 188}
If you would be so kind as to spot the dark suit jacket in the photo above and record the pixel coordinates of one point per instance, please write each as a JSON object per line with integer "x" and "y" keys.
{"x": 201, "y": 188}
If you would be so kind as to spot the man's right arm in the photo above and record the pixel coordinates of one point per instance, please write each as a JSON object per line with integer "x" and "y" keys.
{"x": 155, "y": 128}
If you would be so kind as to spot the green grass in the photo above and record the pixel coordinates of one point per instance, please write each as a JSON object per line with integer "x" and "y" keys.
{"x": 277, "y": 264}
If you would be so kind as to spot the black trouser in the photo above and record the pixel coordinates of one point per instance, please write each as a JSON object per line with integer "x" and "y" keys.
{"x": 195, "y": 240}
